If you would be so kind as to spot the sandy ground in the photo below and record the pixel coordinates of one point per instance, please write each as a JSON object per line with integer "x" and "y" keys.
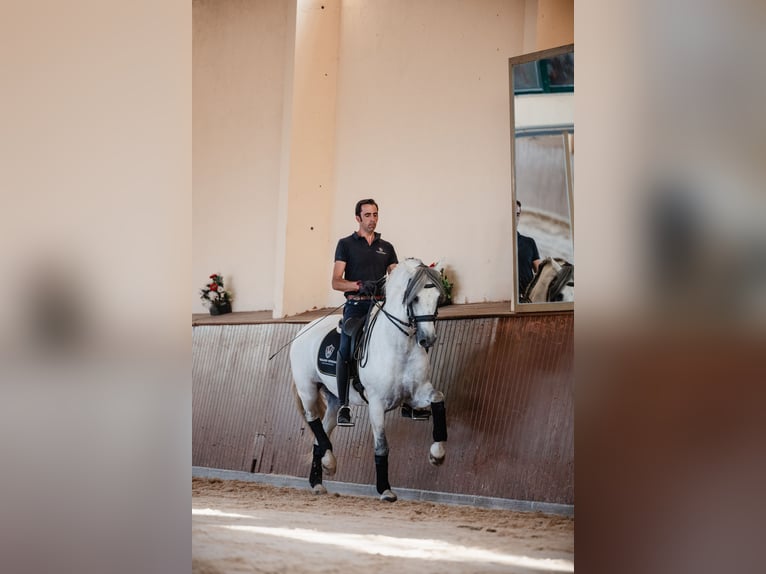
{"x": 248, "y": 527}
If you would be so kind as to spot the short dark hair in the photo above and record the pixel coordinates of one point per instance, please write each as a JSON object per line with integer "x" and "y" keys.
{"x": 361, "y": 202}
{"x": 518, "y": 204}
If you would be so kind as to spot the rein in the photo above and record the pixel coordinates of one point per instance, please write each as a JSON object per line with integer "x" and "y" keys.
{"x": 396, "y": 321}
{"x": 370, "y": 323}
{"x": 424, "y": 278}
{"x": 409, "y": 325}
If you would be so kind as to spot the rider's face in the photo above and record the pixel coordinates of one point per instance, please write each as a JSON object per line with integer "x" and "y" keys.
{"x": 368, "y": 219}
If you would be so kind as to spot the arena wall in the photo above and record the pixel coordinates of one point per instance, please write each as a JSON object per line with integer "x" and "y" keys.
{"x": 508, "y": 389}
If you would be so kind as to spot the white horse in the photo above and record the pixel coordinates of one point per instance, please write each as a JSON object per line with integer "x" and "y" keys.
{"x": 554, "y": 281}
{"x": 393, "y": 368}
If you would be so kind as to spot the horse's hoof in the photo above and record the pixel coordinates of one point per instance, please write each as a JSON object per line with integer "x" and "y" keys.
{"x": 329, "y": 464}
{"x": 319, "y": 489}
{"x": 436, "y": 454}
{"x": 388, "y": 496}
{"x": 435, "y": 461}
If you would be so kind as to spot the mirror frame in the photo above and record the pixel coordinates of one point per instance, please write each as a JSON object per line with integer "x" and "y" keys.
{"x": 517, "y": 307}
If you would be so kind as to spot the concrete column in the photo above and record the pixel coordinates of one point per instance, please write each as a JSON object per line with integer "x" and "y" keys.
{"x": 307, "y": 173}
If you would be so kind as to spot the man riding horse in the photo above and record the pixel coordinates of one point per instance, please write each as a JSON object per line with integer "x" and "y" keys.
{"x": 361, "y": 262}
{"x": 393, "y": 365}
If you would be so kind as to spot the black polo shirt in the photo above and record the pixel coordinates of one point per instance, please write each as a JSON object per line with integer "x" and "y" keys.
{"x": 527, "y": 253}
{"x": 365, "y": 262}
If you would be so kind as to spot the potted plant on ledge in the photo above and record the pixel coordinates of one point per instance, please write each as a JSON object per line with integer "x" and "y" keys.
{"x": 446, "y": 285}
{"x": 215, "y": 297}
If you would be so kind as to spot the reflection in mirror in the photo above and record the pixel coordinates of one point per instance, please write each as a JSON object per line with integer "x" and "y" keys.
{"x": 542, "y": 114}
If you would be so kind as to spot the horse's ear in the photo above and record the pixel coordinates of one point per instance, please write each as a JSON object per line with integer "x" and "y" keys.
{"x": 438, "y": 265}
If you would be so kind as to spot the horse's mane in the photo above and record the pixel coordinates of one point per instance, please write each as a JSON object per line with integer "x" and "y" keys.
{"x": 564, "y": 277}
{"x": 409, "y": 277}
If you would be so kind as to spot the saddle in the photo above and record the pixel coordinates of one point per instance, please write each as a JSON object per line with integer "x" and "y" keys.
{"x": 327, "y": 357}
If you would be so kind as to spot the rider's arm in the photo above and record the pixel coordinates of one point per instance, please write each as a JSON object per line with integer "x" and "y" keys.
{"x": 338, "y": 282}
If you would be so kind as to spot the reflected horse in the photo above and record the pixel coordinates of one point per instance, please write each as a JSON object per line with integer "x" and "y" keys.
{"x": 394, "y": 370}
{"x": 554, "y": 281}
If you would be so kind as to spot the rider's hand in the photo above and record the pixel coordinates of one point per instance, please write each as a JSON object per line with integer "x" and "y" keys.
{"x": 367, "y": 287}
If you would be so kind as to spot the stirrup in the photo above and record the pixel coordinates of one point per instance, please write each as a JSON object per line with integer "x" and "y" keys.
{"x": 415, "y": 414}
{"x": 344, "y": 417}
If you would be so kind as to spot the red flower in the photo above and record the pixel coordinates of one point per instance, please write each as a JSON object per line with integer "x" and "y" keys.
{"x": 214, "y": 287}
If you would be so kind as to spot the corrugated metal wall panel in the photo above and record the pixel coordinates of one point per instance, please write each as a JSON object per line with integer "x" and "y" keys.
{"x": 508, "y": 388}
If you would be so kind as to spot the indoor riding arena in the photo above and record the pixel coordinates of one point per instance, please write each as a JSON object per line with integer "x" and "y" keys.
{"x": 455, "y": 121}
{"x": 502, "y": 501}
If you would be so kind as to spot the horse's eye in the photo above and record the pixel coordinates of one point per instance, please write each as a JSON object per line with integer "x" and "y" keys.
{"x": 416, "y": 299}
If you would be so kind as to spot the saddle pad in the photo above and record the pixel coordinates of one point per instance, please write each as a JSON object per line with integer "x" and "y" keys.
{"x": 328, "y": 353}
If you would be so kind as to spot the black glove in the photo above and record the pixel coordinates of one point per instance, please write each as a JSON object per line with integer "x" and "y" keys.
{"x": 367, "y": 287}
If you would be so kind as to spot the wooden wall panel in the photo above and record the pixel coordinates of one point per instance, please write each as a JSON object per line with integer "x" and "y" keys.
{"x": 508, "y": 391}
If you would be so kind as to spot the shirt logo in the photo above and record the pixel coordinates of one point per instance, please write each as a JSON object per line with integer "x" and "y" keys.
{"x": 380, "y": 251}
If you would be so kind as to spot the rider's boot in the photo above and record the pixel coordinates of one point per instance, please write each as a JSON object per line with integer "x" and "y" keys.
{"x": 341, "y": 374}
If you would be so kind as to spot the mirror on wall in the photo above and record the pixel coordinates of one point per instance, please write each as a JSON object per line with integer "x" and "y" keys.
{"x": 542, "y": 158}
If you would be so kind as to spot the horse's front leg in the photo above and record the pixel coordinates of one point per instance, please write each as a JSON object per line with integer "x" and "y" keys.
{"x": 425, "y": 395}
{"x": 377, "y": 422}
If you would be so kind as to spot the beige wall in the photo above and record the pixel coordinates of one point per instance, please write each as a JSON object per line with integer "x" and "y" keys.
{"x": 555, "y": 24}
{"x": 404, "y": 101}
{"x": 238, "y": 78}
{"x": 547, "y": 24}
{"x": 423, "y": 127}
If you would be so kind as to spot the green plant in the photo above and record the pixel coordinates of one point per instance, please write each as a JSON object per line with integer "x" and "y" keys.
{"x": 446, "y": 285}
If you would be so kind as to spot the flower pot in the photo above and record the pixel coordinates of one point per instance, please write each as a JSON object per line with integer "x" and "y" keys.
{"x": 221, "y": 309}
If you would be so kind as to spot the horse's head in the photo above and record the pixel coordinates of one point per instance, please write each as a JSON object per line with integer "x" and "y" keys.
{"x": 553, "y": 276}
{"x": 418, "y": 288}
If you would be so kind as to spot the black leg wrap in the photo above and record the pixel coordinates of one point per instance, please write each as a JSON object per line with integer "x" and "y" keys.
{"x": 322, "y": 439}
{"x": 381, "y": 471}
{"x": 440, "y": 421}
{"x": 315, "y": 477}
